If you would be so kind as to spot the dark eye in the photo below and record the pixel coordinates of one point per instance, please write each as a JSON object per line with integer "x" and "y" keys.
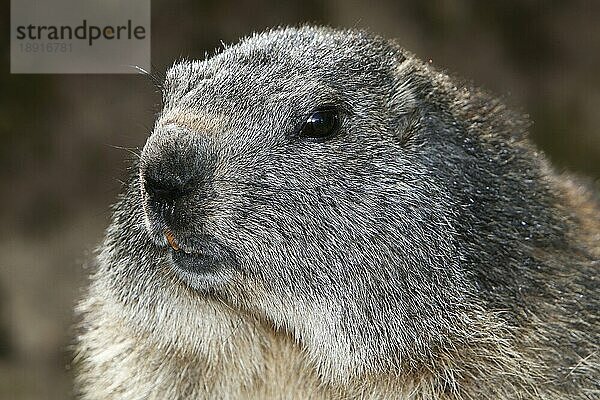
{"x": 321, "y": 124}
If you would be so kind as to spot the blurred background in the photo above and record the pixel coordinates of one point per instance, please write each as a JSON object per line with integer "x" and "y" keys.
{"x": 63, "y": 138}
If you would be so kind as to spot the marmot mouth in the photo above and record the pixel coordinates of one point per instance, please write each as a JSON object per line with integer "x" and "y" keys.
{"x": 196, "y": 263}
{"x": 171, "y": 240}
{"x": 174, "y": 245}
{"x": 189, "y": 260}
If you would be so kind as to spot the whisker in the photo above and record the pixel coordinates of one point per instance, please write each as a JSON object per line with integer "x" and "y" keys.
{"x": 133, "y": 150}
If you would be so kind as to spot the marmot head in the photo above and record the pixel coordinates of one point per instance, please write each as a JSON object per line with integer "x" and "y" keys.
{"x": 331, "y": 184}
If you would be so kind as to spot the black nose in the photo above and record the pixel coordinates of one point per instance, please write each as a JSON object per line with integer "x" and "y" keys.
{"x": 165, "y": 190}
{"x": 174, "y": 175}
{"x": 166, "y": 194}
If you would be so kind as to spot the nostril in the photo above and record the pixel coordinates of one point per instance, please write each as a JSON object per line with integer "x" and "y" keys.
{"x": 165, "y": 191}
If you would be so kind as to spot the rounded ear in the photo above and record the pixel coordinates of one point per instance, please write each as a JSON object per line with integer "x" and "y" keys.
{"x": 405, "y": 115}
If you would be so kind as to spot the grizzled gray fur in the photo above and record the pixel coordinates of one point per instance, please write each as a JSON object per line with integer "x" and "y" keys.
{"x": 417, "y": 246}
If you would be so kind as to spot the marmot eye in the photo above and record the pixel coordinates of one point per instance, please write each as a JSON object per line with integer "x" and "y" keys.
{"x": 321, "y": 124}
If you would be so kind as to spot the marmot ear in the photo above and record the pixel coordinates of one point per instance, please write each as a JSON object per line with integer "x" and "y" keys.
{"x": 404, "y": 112}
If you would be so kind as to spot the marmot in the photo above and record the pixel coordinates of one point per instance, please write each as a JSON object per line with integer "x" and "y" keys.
{"x": 319, "y": 215}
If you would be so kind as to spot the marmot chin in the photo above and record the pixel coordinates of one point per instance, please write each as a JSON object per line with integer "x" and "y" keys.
{"x": 319, "y": 215}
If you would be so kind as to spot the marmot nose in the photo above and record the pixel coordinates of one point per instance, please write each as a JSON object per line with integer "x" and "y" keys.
{"x": 166, "y": 190}
{"x": 165, "y": 194}
{"x": 174, "y": 175}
